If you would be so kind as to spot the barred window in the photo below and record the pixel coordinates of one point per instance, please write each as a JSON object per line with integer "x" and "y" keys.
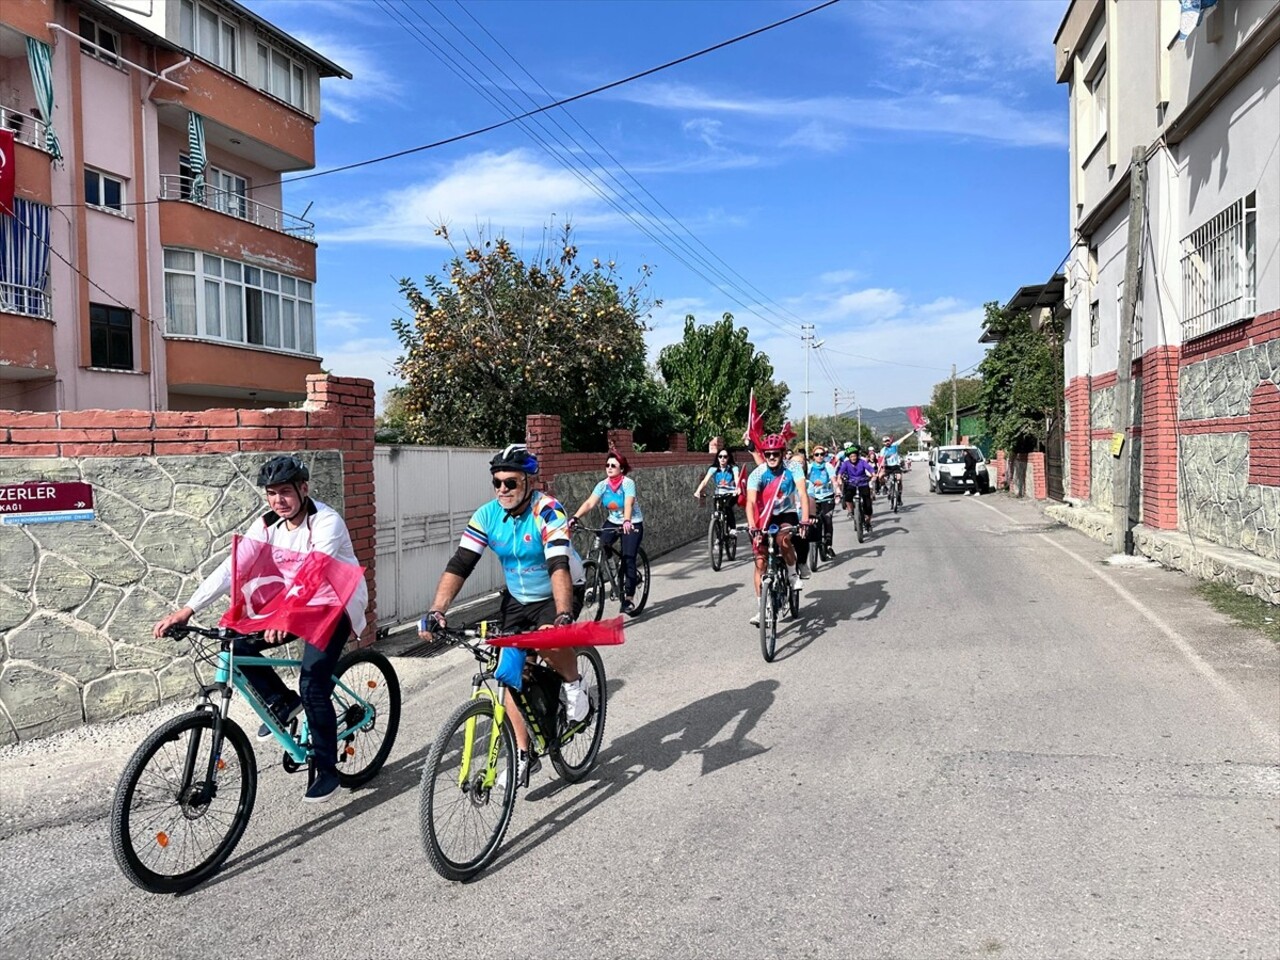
{"x": 1219, "y": 270}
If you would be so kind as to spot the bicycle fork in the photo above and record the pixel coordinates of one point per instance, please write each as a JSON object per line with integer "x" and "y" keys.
{"x": 495, "y": 741}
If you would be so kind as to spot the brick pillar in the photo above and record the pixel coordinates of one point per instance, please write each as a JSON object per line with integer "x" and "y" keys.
{"x": 622, "y": 441}
{"x": 1078, "y": 436}
{"x": 349, "y": 401}
{"x": 1159, "y": 438}
{"x": 678, "y": 443}
{"x": 1002, "y": 469}
{"x": 542, "y": 435}
{"x": 1040, "y": 487}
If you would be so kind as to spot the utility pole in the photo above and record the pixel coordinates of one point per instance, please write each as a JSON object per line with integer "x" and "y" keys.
{"x": 810, "y": 345}
{"x": 955, "y": 416}
{"x": 1121, "y": 537}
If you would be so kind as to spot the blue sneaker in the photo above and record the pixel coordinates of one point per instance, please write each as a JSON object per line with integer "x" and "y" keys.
{"x": 285, "y": 712}
{"x": 323, "y": 788}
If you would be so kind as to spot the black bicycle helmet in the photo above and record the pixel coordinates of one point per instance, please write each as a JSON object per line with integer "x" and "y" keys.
{"x": 284, "y": 469}
{"x": 514, "y": 457}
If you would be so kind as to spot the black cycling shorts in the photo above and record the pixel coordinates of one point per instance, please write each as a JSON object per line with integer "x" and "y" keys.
{"x": 520, "y": 617}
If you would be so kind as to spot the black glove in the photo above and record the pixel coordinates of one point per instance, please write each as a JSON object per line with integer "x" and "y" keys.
{"x": 563, "y": 620}
{"x": 433, "y": 622}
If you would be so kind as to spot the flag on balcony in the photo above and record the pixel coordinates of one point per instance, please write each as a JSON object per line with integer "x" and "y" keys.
{"x": 8, "y": 171}
{"x": 1192, "y": 13}
{"x": 24, "y": 259}
{"x": 195, "y": 149}
{"x": 40, "y": 59}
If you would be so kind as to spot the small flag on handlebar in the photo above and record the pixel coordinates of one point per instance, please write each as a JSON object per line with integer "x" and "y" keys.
{"x": 586, "y": 634}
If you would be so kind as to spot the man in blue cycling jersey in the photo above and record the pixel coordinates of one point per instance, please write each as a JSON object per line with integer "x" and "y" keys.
{"x": 789, "y": 506}
{"x": 822, "y": 491}
{"x": 891, "y": 458}
{"x": 528, "y": 531}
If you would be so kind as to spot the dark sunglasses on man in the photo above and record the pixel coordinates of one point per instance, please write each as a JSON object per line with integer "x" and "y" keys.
{"x": 506, "y": 483}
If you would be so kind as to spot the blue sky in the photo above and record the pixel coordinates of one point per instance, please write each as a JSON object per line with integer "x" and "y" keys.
{"x": 879, "y": 169}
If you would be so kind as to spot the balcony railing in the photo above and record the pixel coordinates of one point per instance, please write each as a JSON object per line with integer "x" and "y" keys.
{"x": 26, "y": 128}
{"x": 25, "y": 301}
{"x": 175, "y": 187}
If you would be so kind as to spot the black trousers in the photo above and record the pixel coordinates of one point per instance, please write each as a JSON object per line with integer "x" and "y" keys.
{"x": 630, "y": 545}
{"x": 315, "y": 684}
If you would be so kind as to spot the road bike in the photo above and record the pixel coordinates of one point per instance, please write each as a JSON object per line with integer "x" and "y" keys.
{"x": 469, "y": 780}
{"x": 722, "y": 539}
{"x": 603, "y": 576}
{"x": 820, "y": 548}
{"x": 185, "y": 796}
{"x": 861, "y": 523}
{"x": 776, "y": 593}
{"x": 895, "y": 491}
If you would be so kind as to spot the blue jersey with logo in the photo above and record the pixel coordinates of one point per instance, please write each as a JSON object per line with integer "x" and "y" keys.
{"x": 891, "y": 456}
{"x": 723, "y": 480}
{"x": 822, "y": 483}
{"x": 524, "y": 544}
{"x": 614, "y": 501}
{"x": 787, "y": 500}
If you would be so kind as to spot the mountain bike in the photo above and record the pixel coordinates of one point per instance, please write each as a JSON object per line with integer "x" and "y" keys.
{"x": 776, "y": 592}
{"x": 820, "y": 548}
{"x": 469, "y": 780}
{"x": 185, "y": 796}
{"x": 603, "y": 569}
{"x": 722, "y": 539}
{"x": 895, "y": 491}
{"x": 861, "y": 525}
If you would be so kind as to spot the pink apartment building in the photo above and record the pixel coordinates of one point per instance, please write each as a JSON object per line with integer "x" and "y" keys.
{"x": 148, "y": 262}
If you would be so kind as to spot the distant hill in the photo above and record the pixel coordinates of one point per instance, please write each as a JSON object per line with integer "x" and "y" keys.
{"x": 891, "y": 420}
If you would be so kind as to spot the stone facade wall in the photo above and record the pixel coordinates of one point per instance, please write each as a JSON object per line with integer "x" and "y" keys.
{"x": 77, "y": 599}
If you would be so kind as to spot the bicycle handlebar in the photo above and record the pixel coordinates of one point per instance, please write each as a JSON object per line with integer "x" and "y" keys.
{"x": 179, "y": 631}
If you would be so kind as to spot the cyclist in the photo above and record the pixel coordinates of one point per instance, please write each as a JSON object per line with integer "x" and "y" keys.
{"x": 790, "y": 506}
{"x": 822, "y": 491}
{"x": 891, "y": 461}
{"x": 723, "y": 474}
{"x": 617, "y": 493}
{"x": 798, "y": 463}
{"x": 855, "y": 476}
{"x": 529, "y": 533}
{"x": 300, "y": 524}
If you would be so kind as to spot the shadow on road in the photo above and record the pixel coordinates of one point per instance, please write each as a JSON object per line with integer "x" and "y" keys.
{"x": 657, "y": 745}
{"x": 709, "y": 597}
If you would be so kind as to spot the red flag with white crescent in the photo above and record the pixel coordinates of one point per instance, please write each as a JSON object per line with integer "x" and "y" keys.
{"x": 589, "y": 633}
{"x": 755, "y": 423}
{"x": 918, "y": 420}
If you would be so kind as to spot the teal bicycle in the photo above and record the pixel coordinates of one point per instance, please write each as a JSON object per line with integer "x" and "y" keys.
{"x": 469, "y": 780}
{"x": 185, "y": 796}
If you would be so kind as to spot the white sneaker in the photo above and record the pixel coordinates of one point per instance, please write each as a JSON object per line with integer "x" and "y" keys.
{"x": 968, "y": 493}
{"x": 796, "y": 583}
{"x": 575, "y": 700}
{"x": 755, "y": 619}
{"x": 523, "y": 770}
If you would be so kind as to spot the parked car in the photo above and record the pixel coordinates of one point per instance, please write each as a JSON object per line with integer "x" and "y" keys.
{"x": 946, "y": 470}
{"x": 916, "y": 456}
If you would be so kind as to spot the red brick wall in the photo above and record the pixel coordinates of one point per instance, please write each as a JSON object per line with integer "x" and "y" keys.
{"x": 1077, "y": 395}
{"x": 1160, "y": 438}
{"x": 338, "y": 416}
{"x": 543, "y": 437}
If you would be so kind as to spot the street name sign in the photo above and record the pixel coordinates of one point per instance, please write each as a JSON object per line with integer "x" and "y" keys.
{"x": 45, "y": 502}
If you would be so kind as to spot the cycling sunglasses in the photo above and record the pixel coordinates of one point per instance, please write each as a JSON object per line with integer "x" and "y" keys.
{"x": 506, "y": 483}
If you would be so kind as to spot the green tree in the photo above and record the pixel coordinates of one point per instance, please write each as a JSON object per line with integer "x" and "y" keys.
{"x": 938, "y": 410}
{"x": 837, "y": 430}
{"x": 498, "y": 339}
{"x": 710, "y": 374}
{"x": 1022, "y": 379}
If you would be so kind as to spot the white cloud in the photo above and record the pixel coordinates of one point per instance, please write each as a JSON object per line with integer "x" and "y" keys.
{"x": 706, "y": 130}
{"x": 503, "y": 193}
{"x": 840, "y": 276}
{"x": 348, "y": 100}
{"x": 340, "y": 321}
{"x": 874, "y": 303}
{"x": 369, "y": 357}
{"x": 817, "y": 136}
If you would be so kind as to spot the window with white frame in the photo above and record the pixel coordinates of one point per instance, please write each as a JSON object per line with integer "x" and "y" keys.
{"x": 103, "y": 191}
{"x": 282, "y": 76}
{"x": 210, "y": 36}
{"x": 1220, "y": 269}
{"x": 219, "y": 299}
{"x": 1094, "y": 334}
{"x": 1096, "y": 85}
{"x": 108, "y": 40}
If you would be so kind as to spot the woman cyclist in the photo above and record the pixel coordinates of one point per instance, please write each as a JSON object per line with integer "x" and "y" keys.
{"x": 723, "y": 475}
{"x": 617, "y": 493}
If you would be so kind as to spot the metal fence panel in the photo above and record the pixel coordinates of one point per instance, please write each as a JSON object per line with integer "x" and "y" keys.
{"x": 425, "y": 496}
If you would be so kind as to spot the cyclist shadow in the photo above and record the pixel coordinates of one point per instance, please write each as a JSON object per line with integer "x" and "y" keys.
{"x": 856, "y": 601}
{"x": 392, "y": 780}
{"x": 656, "y": 746}
{"x": 709, "y": 597}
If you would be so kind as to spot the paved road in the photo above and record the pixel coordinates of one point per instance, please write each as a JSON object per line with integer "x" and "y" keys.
{"x": 978, "y": 741}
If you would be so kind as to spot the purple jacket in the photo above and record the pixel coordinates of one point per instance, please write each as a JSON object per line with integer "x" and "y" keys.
{"x": 856, "y": 473}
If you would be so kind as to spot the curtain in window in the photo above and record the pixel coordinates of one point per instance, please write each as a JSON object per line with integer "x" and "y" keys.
{"x": 24, "y": 259}
{"x": 180, "y": 304}
{"x": 195, "y": 150}
{"x": 40, "y": 59}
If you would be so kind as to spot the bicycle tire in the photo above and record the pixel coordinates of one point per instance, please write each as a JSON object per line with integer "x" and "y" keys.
{"x": 858, "y": 521}
{"x": 731, "y": 544}
{"x": 362, "y": 753}
{"x": 593, "y": 598}
{"x": 765, "y": 618}
{"x": 895, "y": 498}
{"x": 452, "y": 802}
{"x": 793, "y": 602}
{"x": 130, "y": 855}
{"x": 573, "y": 765}
{"x": 642, "y": 582}
{"x": 815, "y": 549}
{"x": 715, "y": 542}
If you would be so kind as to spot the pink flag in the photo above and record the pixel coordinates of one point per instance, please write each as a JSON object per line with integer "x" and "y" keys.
{"x": 586, "y": 634}
{"x": 277, "y": 589}
{"x": 755, "y": 425}
{"x": 917, "y": 419}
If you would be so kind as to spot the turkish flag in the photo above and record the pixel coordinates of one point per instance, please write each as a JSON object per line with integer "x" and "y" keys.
{"x": 767, "y": 500}
{"x": 586, "y": 634}
{"x": 8, "y": 171}
{"x": 277, "y": 589}
{"x": 917, "y": 419}
{"x": 755, "y": 424}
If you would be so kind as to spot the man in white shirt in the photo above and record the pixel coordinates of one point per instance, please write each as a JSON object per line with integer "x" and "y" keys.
{"x": 294, "y": 522}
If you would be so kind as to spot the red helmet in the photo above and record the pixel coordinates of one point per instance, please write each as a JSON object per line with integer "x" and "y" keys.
{"x": 773, "y": 441}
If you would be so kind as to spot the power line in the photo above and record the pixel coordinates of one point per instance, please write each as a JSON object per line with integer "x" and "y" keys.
{"x": 562, "y": 102}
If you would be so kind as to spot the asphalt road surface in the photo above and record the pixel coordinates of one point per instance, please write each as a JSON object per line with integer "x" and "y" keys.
{"x": 977, "y": 740}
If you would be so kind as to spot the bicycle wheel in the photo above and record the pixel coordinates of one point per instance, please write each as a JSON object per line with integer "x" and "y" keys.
{"x": 857, "y": 519}
{"x": 793, "y": 602}
{"x": 575, "y": 754}
{"x": 895, "y": 497}
{"x": 815, "y": 549}
{"x": 368, "y": 675}
{"x": 715, "y": 543}
{"x": 768, "y": 621}
{"x": 463, "y": 821}
{"x": 642, "y": 581}
{"x": 730, "y": 541}
{"x": 170, "y": 832}
{"x": 593, "y": 598}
